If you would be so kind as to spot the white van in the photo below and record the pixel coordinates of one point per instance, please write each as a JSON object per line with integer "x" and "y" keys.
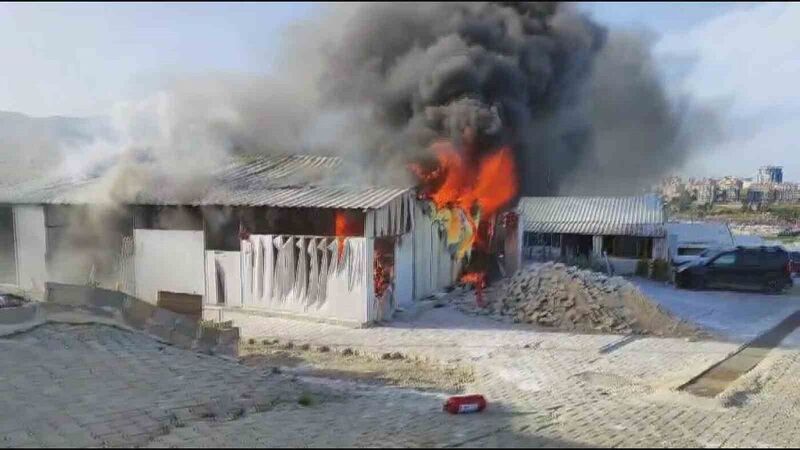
{"x": 688, "y": 240}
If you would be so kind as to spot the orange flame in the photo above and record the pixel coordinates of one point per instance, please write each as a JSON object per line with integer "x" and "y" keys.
{"x": 474, "y": 278}
{"x": 488, "y": 185}
{"x": 477, "y": 186}
{"x": 346, "y": 224}
{"x": 478, "y": 281}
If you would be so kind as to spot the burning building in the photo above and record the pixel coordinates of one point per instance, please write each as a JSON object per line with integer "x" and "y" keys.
{"x": 484, "y": 101}
{"x": 625, "y": 229}
{"x": 269, "y": 235}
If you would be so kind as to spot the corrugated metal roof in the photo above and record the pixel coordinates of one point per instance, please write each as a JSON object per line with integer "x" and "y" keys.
{"x": 306, "y": 196}
{"x": 46, "y": 190}
{"x": 636, "y": 216}
{"x": 277, "y": 181}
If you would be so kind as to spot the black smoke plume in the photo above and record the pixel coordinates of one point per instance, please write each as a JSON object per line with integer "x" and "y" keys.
{"x": 581, "y": 106}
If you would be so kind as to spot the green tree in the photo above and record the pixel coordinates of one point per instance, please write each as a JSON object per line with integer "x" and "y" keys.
{"x": 681, "y": 203}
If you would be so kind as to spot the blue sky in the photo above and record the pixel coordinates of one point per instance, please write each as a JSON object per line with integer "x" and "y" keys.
{"x": 79, "y": 59}
{"x": 660, "y": 17}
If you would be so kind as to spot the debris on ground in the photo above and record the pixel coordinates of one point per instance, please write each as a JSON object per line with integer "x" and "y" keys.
{"x": 11, "y": 300}
{"x": 394, "y": 369}
{"x": 572, "y": 299}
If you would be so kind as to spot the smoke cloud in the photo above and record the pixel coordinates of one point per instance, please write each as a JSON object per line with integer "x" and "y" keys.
{"x": 582, "y": 106}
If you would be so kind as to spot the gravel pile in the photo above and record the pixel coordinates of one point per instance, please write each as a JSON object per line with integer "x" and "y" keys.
{"x": 571, "y": 299}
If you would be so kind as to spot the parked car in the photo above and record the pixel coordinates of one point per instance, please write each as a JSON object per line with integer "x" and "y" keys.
{"x": 762, "y": 268}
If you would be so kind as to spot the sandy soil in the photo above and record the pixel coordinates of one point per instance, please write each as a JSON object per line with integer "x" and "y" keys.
{"x": 392, "y": 369}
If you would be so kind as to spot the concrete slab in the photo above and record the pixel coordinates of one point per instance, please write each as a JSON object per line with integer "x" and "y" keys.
{"x": 737, "y": 316}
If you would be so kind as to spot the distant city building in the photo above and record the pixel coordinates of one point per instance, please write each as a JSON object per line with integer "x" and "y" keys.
{"x": 759, "y": 193}
{"x": 671, "y": 188}
{"x": 706, "y": 191}
{"x": 770, "y": 174}
{"x": 768, "y": 187}
{"x": 729, "y": 190}
{"x": 787, "y": 192}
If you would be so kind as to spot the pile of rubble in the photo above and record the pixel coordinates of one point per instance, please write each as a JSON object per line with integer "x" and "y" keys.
{"x": 572, "y": 299}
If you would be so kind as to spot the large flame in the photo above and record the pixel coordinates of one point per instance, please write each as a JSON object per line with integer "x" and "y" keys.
{"x": 468, "y": 193}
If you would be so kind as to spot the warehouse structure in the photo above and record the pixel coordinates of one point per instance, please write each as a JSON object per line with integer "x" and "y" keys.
{"x": 620, "y": 230}
{"x": 277, "y": 235}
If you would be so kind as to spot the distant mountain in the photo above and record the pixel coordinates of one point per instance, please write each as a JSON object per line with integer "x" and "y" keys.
{"x": 32, "y": 146}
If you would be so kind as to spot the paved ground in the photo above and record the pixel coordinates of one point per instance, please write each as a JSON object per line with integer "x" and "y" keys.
{"x": 739, "y": 316}
{"x": 94, "y": 384}
{"x": 599, "y": 390}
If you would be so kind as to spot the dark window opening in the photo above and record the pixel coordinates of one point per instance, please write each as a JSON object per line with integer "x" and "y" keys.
{"x": 690, "y": 251}
{"x": 302, "y": 221}
{"x": 222, "y": 227}
{"x": 576, "y": 245}
{"x": 541, "y": 239}
{"x": 8, "y": 265}
{"x": 384, "y": 272}
{"x": 226, "y": 226}
{"x": 219, "y": 272}
{"x": 348, "y": 222}
{"x": 167, "y": 218}
{"x": 628, "y": 246}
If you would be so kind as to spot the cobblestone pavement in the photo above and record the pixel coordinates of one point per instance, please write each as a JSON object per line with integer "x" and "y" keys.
{"x": 93, "y": 385}
{"x": 596, "y": 389}
{"x": 97, "y": 385}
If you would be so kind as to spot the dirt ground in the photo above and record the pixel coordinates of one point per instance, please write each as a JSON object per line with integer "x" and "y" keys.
{"x": 393, "y": 369}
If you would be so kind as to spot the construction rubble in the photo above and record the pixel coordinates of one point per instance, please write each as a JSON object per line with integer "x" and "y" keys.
{"x": 568, "y": 298}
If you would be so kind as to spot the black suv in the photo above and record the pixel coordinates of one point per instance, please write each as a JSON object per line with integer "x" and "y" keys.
{"x": 763, "y": 268}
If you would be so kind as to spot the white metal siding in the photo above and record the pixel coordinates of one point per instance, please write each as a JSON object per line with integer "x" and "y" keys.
{"x": 434, "y": 268}
{"x": 168, "y": 260}
{"x": 30, "y": 247}
{"x": 404, "y": 270}
{"x": 370, "y": 309}
{"x": 342, "y": 302}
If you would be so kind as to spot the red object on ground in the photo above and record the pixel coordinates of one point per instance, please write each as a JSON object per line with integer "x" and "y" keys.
{"x": 464, "y": 404}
